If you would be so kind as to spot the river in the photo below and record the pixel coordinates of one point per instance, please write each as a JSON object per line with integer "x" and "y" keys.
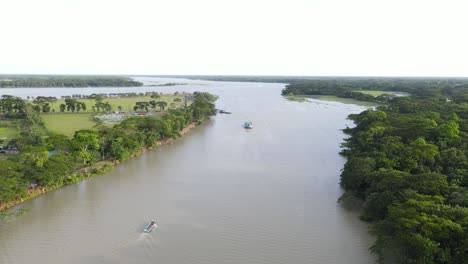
{"x": 221, "y": 194}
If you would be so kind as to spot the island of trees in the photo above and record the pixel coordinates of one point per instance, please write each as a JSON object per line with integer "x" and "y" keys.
{"x": 42, "y": 160}
{"x": 16, "y": 81}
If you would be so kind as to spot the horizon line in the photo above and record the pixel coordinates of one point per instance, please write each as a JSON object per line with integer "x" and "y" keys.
{"x": 232, "y": 75}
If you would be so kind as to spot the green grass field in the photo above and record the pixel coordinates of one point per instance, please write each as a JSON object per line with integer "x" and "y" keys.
{"x": 374, "y": 93}
{"x": 127, "y": 104}
{"x": 68, "y": 123}
{"x": 8, "y": 132}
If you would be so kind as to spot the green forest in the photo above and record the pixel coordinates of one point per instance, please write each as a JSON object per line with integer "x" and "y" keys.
{"x": 407, "y": 165}
{"x": 47, "y": 159}
{"x": 15, "y": 81}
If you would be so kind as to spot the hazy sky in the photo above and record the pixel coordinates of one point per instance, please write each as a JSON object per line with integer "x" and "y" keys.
{"x": 252, "y": 37}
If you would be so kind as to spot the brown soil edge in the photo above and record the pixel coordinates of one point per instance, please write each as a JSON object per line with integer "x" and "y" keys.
{"x": 41, "y": 190}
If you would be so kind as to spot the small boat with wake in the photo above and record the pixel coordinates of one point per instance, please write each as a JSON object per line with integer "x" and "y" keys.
{"x": 150, "y": 227}
{"x": 248, "y": 125}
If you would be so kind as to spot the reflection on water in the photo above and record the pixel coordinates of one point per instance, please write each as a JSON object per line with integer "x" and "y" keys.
{"x": 219, "y": 195}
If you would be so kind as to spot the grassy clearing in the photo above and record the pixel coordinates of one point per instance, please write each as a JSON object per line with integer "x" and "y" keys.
{"x": 67, "y": 124}
{"x": 343, "y": 100}
{"x": 127, "y": 103}
{"x": 8, "y": 132}
{"x": 8, "y": 129}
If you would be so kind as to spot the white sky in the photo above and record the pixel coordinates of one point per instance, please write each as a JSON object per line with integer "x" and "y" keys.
{"x": 237, "y": 37}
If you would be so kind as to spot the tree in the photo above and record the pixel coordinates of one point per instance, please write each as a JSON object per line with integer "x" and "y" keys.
{"x": 59, "y": 142}
{"x": 55, "y": 170}
{"x": 153, "y": 104}
{"x": 429, "y": 183}
{"x": 12, "y": 104}
{"x": 84, "y": 141}
{"x": 356, "y": 175}
{"x": 118, "y": 150}
{"x": 162, "y": 105}
{"x": 105, "y": 107}
{"x": 71, "y": 104}
{"x": 46, "y": 108}
{"x": 10, "y": 181}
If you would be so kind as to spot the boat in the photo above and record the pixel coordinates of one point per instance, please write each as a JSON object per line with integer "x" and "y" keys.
{"x": 224, "y": 112}
{"x": 150, "y": 227}
{"x": 248, "y": 125}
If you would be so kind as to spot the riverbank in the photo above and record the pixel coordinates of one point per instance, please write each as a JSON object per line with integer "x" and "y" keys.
{"x": 96, "y": 169}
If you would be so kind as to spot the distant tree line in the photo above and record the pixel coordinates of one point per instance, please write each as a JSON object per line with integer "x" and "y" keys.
{"x": 408, "y": 162}
{"x": 50, "y": 81}
{"x": 50, "y": 160}
{"x": 350, "y": 87}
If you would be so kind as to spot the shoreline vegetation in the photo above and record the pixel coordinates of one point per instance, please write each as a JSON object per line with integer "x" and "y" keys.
{"x": 96, "y": 169}
{"x": 407, "y": 166}
{"x": 39, "y": 161}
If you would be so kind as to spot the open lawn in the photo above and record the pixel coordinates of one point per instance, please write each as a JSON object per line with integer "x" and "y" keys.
{"x": 127, "y": 103}
{"x": 68, "y": 123}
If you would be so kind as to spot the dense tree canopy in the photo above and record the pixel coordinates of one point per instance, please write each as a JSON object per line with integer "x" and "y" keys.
{"x": 408, "y": 161}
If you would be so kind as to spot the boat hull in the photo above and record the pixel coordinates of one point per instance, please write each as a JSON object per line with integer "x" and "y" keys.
{"x": 150, "y": 227}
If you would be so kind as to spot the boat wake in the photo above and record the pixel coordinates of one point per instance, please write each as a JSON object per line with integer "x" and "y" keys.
{"x": 141, "y": 247}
